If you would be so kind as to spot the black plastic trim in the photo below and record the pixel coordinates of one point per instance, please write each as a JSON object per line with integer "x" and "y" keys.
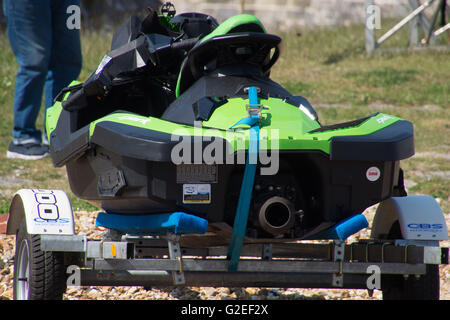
{"x": 74, "y": 145}
{"x": 392, "y": 143}
{"x": 133, "y": 141}
{"x": 141, "y": 143}
{"x": 65, "y": 144}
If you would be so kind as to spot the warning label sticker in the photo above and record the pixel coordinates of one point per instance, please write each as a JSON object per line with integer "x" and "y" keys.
{"x": 373, "y": 174}
{"x": 197, "y": 193}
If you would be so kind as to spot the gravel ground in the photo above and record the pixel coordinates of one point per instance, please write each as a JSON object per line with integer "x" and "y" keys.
{"x": 85, "y": 224}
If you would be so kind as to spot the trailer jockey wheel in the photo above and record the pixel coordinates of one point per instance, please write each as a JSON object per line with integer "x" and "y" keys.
{"x": 397, "y": 287}
{"x": 38, "y": 275}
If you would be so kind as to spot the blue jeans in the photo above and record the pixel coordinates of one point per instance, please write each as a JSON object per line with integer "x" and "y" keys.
{"x": 48, "y": 54}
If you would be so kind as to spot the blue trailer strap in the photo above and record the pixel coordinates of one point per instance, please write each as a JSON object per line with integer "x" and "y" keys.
{"x": 343, "y": 229}
{"x": 245, "y": 196}
{"x": 152, "y": 224}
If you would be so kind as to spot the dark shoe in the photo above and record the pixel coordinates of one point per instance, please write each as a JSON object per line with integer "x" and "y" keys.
{"x": 30, "y": 151}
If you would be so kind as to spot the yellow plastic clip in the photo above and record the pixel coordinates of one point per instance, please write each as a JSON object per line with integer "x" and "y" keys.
{"x": 180, "y": 265}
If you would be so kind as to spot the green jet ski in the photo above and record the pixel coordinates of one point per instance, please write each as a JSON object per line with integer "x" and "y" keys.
{"x": 182, "y": 116}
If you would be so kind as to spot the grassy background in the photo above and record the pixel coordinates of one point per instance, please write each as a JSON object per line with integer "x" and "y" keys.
{"x": 330, "y": 68}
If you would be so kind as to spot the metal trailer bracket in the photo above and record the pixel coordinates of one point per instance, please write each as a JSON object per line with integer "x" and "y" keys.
{"x": 339, "y": 252}
{"x": 173, "y": 241}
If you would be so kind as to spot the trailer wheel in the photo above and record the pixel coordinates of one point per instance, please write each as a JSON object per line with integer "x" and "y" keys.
{"x": 396, "y": 287}
{"x": 38, "y": 275}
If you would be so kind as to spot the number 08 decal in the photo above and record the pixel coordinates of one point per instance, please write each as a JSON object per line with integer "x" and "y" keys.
{"x": 47, "y": 209}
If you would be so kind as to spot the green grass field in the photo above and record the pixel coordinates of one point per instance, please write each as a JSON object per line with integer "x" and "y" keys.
{"x": 330, "y": 68}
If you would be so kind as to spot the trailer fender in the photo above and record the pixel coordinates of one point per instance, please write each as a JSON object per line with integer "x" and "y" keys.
{"x": 420, "y": 218}
{"x": 44, "y": 211}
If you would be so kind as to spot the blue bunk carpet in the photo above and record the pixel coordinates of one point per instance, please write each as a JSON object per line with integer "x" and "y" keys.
{"x": 343, "y": 229}
{"x": 152, "y": 224}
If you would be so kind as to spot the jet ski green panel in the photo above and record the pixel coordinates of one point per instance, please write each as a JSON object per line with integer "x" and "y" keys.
{"x": 276, "y": 114}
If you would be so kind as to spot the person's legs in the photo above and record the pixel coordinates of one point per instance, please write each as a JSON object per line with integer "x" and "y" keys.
{"x": 65, "y": 62}
{"x": 30, "y": 36}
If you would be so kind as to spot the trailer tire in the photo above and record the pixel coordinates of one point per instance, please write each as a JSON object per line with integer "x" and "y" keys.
{"x": 396, "y": 287}
{"x": 38, "y": 275}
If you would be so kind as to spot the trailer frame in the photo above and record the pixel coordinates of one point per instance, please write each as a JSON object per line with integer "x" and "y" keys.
{"x": 164, "y": 261}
